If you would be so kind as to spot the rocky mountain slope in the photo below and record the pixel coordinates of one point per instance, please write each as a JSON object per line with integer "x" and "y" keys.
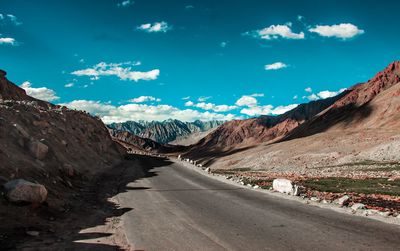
{"x": 165, "y": 131}
{"x": 244, "y": 133}
{"x": 360, "y": 124}
{"x": 136, "y": 144}
{"x": 51, "y": 145}
{"x": 191, "y": 139}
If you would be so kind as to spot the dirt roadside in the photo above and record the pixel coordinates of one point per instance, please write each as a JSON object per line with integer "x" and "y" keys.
{"x": 90, "y": 220}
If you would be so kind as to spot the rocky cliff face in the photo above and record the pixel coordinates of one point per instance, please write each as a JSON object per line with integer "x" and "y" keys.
{"x": 50, "y": 144}
{"x": 165, "y": 131}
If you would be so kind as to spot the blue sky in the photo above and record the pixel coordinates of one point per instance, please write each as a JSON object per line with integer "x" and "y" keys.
{"x": 153, "y": 60}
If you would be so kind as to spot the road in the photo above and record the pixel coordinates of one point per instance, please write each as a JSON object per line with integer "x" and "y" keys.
{"x": 176, "y": 208}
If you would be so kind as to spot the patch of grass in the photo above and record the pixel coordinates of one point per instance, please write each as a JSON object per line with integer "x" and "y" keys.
{"x": 363, "y": 163}
{"x": 367, "y": 186}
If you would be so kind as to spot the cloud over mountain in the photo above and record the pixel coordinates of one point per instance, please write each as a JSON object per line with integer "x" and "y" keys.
{"x": 42, "y": 93}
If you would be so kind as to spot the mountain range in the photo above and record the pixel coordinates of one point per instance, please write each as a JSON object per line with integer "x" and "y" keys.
{"x": 167, "y": 131}
{"x": 362, "y": 123}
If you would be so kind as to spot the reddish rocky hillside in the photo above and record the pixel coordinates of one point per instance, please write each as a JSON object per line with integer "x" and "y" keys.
{"x": 49, "y": 144}
{"x": 374, "y": 104}
{"x": 244, "y": 133}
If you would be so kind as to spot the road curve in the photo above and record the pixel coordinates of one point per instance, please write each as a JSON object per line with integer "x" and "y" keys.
{"x": 176, "y": 208}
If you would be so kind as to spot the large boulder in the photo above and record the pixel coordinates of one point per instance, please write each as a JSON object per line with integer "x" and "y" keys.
{"x": 20, "y": 190}
{"x": 38, "y": 149}
{"x": 285, "y": 186}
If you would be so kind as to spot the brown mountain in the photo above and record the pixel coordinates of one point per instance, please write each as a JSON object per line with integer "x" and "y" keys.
{"x": 369, "y": 105}
{"x": 246, "y": 133}
{"x": 373, "y": 105}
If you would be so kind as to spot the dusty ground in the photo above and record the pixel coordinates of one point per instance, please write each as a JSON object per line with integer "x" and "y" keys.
{"x": 333, "y": 151}
{"x": 90, "y": 220}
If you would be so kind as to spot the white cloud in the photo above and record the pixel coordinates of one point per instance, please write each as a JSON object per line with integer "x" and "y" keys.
{"x": 42, "y": 93}
{"x": 312, "y": 97}
{"x": 323, "y": 94}
{"x": 9, "y": 18}
{"x": 329, "y": 94}
{"x": 125, "y": 3}
{"x": 110, "y": 113}
{"x": 211, "y": 106}
{"x": 253, "y": 109}
{"x": 155, "y": 27}
{"x": 69, "y": 85}
{"x": 189, "y": 103}
{"x": 202, "y": 98}
{"x": 7, "y": 40}
{"x": 246, "y": 100}
{"x": 282, "y": 109}
{"x": 275, "y": 66}
{"x": 257, "y": 110}
{"x": 122, "y": 70}
{"x": 142, "y": 99}
{"x": 13, "y": 19}
{"x": 188, "y": 7}
{"x": 276, "y": 32}
{"x": 223, "y": 44}
{"x": 186, "y": 98}
{"x": 295, "y": 97}
{"x": 257, "y": 95}
{"x": 343, "y": 31}
{"x": 267, "y": 110}
{"x": 308, "y": 89}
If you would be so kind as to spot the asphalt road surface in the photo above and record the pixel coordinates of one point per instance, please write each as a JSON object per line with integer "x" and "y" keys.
{"x": 176, "y": 208}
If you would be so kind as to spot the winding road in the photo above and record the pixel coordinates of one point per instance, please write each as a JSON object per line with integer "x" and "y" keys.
{"x": 176, "y": 208}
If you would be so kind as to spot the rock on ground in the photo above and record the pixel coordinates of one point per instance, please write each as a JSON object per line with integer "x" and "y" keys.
{"x": 285, "y": 186}
{"x": 357, "y": 206}
{"x": 344, "y": 200}
{"x": 20, "y": 190}
{"x": 38, "y": 149}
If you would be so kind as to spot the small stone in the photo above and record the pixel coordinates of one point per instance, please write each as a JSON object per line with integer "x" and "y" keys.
{"x": 256, "y": 186}
{"x": 344, "y": 200}
{"x": 371, "y": 212}
{"x": 357, "y": 206}
{"x": 384, "y": 214}
{"x": 32, "y": 233}
{"x": 314, "y": 199}
{"x": 38, "y": 149}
